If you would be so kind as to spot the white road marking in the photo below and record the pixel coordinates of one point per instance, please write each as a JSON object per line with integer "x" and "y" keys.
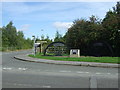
{"x": 46, "y": 70}
{"x": 108, "y": 73}
{"x": 3, "y": 68}
{"x": 22, "y": 69}
{"x": 86, "y": 72}
{"x": 98, "y": 73}
{"x": 82, "y": 72}
{"x": 7, "y": 68}
{"x": 46, "y": 86}
{"x": 64, "y": 71}
{"x": 16, "y": 84}
{"x": 29, "y": 85}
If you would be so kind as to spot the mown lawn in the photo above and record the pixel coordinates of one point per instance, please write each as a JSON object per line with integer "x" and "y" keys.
{"x": 83, "y": 59}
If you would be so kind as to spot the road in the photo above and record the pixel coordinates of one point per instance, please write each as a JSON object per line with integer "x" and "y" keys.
{"x": 21, "y": 74}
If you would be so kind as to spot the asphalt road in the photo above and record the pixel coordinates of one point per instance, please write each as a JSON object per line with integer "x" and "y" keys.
{"x": 21, "y": 74}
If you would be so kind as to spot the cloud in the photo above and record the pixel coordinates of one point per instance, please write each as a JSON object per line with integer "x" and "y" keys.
{"x": 15, "y": 8}
{"x": 46, "y": 11}
{"x": 62, "y": 25}
{"x": 24, "y": 27}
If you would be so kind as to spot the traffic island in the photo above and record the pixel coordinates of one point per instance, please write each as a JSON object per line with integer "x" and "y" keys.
{"x": 74, "y": 63}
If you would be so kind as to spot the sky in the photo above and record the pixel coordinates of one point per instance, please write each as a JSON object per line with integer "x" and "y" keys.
{"x": 37, "y": 18}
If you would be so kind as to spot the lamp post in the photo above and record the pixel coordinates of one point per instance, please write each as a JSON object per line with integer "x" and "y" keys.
{"x": 34, "y": 45}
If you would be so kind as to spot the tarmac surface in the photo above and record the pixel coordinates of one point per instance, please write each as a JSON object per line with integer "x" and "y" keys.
{"x": 30, "y": 74}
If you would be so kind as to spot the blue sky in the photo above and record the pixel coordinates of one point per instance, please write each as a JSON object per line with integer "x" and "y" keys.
{"x": 37, "y": 18}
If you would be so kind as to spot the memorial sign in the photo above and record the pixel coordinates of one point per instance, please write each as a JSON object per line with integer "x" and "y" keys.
{"x": 56, "y": 49}
{"x": 74, "y": 53}
{"x": 58, "y": 44}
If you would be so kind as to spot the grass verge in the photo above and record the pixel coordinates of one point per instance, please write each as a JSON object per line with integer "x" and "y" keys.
{"x": 82, "y": 59}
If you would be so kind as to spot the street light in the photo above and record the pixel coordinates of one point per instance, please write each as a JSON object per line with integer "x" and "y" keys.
{"x": 33, "y": 45}
{"x": 118, "y": 30}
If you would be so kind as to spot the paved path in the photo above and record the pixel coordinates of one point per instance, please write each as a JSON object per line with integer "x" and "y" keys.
{"x": 92, "y": 64}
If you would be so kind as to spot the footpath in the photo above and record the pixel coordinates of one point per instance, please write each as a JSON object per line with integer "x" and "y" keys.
{"x": 74, "y": 63}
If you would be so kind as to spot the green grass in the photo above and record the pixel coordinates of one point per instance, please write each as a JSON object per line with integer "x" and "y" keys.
{"x": 83, "y": 59}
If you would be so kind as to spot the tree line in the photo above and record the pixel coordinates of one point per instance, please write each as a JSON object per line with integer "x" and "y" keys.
{"x": 13, "y": 39}
{"x": 83, "y": 32}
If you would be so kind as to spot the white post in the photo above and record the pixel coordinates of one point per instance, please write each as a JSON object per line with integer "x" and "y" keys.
{"x": 78, "y": 53}
{"x": 71, "y": 52}
{"x": 33, "y": 45}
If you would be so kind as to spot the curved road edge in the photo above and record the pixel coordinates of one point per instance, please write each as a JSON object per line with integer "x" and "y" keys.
{"x": 74, "y": 63}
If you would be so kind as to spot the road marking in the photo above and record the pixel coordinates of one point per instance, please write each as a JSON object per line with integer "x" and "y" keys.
{"x": 7, "y": 68}
{"x": 108, "y": 73}
{"x": 86, "y": 72}
{"x": 19, "y": 68}
{"x": 64, "y": 71}
{"x": 98, "y": 73}
{"x": 82, "y": 72}
{"x": 22, "y": 69}
{"x": 28, "y": 85}
{"x": 46, "y": 70}
{"x": 46, "y": 86}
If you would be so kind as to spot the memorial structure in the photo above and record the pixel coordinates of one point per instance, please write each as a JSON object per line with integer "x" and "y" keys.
{"x": 41, "y": 45}
{"x": 74, "y": 53}
{"x": 38, "y": 46}
{"x": 56, "y": 49}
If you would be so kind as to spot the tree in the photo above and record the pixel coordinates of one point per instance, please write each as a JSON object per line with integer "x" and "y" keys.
{"x": 42, "y": 37}
{"x": 12, "y": 34}
{"x": 0, "y": 38}
{"x": 20, "y": 40}
{"x": 58, "y": 37}
{"x": 83, "y": 32}
{"x": 5, "y": 39}
{"x": 76, "y": 35}
{"x": 48, "y": 40}
{"x": 13, "y": 39}
{"x": 111, "y": 23}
